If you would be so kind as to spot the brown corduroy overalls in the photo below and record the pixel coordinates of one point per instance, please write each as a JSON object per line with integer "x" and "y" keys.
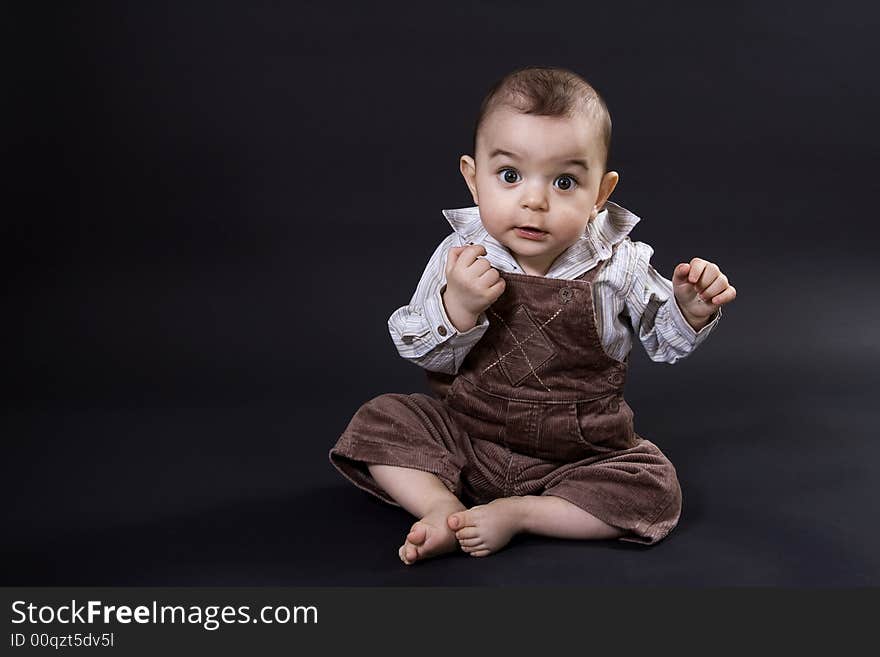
{"x": 536, "y": 408}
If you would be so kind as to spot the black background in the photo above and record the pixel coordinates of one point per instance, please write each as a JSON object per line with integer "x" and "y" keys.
{"x": 212, "y": 209}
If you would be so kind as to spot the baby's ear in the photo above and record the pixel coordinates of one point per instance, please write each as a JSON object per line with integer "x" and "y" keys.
{"x": 606, "y": 186}
{"x": 469, "y": 172}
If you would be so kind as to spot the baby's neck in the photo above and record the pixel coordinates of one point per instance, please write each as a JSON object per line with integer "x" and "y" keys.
{"x": 531, "y": 271}
{"x": 531, "y": 267}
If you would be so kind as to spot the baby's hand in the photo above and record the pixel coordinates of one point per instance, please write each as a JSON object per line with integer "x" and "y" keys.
{"x": 472, "y": 285}
{"x": 700, "y": 289}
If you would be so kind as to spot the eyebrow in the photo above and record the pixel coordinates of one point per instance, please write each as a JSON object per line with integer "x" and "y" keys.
{"x": 497, "y": 152}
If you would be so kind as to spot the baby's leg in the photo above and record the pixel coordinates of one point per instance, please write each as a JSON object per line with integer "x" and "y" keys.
{"x": 484, "y": 529}
{"x": 426, "y": 497}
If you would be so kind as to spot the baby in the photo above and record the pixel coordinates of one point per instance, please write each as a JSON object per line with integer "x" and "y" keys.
{"x": 523, "y": 319}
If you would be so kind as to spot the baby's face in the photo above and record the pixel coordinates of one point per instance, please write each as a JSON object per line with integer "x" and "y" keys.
{"x": 533, "y": 197}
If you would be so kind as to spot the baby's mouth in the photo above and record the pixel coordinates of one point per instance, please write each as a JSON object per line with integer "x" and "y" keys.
{"x": 530, "y": 232}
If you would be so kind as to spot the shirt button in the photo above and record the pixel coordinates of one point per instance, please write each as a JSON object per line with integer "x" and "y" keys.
{"x": 616, "y": 379}
{"x": 442, "y": 330}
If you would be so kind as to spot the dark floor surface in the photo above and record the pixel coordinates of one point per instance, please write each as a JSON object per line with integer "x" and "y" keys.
{"x": 779, "y": 477}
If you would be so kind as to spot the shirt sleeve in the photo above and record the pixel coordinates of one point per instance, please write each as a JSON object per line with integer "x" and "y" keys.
{"x": 654, "y": 313}
{"x": 421, "y": 330}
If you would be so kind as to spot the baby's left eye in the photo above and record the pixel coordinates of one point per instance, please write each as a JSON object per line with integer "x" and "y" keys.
{"x": 573, "y": 182}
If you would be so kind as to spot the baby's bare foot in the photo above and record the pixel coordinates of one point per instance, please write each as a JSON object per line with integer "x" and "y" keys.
{"x": 484, "y": 529}
{"x": 431, "y": 535}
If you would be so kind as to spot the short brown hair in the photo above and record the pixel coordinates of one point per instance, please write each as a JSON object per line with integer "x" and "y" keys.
{"x": 547, "y": 91}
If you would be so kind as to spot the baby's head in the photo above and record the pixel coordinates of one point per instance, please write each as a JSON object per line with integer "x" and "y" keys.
{"x": 541, "y": 146}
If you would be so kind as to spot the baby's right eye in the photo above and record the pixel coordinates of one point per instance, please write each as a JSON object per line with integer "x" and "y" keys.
{"x": 504, "y": 173}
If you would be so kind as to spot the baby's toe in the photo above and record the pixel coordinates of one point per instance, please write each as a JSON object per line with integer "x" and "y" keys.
{"x": 469, "y": 542}
{"x": 459, "y": 520}
{"x": 476, "y": 552}
{"x": 417, "y": 534}
{"x": 408, "y": 553}
{"x": 467, "y": 532}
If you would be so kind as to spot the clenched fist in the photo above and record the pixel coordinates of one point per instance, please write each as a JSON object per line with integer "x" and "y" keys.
{"x": 700, "y": 289}
{"x": 472, "y": 285}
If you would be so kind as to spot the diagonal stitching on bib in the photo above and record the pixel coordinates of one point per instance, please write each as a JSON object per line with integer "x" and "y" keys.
{"x": 520, "y": 346}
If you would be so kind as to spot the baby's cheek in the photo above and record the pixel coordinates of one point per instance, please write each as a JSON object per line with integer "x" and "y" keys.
{"x": 495, "y": 227}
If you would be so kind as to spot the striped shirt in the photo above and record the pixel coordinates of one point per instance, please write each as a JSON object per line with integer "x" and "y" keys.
{"x": 629, "y": 296}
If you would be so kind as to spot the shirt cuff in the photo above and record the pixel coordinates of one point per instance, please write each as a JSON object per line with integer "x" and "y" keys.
{"x": 683, "y": 328}
{"x": 444, "y": 330}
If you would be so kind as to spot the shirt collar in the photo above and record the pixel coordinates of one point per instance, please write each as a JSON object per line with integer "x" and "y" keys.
{"x": 609, "y": 227}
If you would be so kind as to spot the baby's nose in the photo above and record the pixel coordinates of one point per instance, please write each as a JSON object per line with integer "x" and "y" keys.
{"x": 534, "y": 197}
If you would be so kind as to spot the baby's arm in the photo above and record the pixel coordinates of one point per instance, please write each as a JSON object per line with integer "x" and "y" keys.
{"x": 423, "y": 331}
{"x": 654, "y": 314}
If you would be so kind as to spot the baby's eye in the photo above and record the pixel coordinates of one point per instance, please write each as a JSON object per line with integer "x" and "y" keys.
{"x": 569, "y": 185}
{"x": 505, "y": 175}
